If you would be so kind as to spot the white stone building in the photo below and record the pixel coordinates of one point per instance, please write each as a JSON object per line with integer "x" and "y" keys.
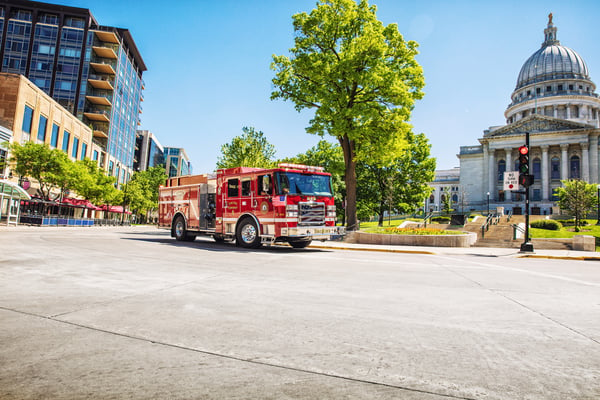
{"x": 555, "y": 101}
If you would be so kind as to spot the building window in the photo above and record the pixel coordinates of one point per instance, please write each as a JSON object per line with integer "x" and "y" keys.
{"x": 65, "y": 142}
{"x": 95, "y": 155}
{"x": 42, "y": 128}
{"x": 537, "y": 196}
{"x": 537, "y": 168}
{"x": 111, "y": 167}
{"x": 575, "y": 168}
{"x": 555, "y": 168}
{"x": 27, "y": 119}
{"x": 501, "y": 169}
{"x": 548, "y": 88}
{"x": 83, "y": 150}
{"x": 75, "y": 148}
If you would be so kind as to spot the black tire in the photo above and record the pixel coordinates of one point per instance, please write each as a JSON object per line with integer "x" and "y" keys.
{"x": 219, "y": 238}
{"x": 247, "y": 234}
{"x": 299, "y": 244}
{"x": 179, "y": 230}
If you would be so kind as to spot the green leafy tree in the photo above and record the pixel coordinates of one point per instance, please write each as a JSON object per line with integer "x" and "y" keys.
{"x": 446, "y": 200}
{"x": 251, "y": 149}
{"x": 141, "y": 192}
{"x": 92, "y": 183}
{"x": 577, "y": 198}
{"x": 401, "y": 187}
{"x": 38, "y": 161}
{"x": 359, "y": 76}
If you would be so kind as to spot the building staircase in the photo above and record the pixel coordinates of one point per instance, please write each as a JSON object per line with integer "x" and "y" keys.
{"x": 501, "y": 234}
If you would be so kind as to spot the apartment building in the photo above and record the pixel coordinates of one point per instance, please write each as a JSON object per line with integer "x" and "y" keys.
{"x": 92, "y": 71}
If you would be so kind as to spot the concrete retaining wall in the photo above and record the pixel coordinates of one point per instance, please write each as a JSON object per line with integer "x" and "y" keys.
{"x": 464, "y": 240}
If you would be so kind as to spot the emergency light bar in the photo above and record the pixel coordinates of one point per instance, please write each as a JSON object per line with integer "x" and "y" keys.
{"x": 303, "y": 167}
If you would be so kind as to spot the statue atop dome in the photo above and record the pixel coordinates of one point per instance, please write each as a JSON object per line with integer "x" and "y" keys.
{"x": 550, "y": 19}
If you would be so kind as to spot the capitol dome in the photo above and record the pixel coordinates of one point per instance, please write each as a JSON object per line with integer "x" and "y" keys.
{"x": 554, "y": 82}
{"x": 552, "y": 61}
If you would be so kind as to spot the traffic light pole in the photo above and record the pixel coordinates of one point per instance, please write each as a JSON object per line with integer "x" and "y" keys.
{"x": 527, "y": 246}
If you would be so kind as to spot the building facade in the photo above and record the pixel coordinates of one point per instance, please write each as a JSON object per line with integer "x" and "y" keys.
{"x": 148, "y": 151}
{"x": 446, "y": 183}
{"x": 555, "y": 102}
{"x": 93, "y": 71}
{"x": 177, "y": 162}
{"x": 32, "y": 115}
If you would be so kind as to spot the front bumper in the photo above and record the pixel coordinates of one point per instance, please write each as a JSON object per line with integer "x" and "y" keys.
{"x": 314, "y": 232}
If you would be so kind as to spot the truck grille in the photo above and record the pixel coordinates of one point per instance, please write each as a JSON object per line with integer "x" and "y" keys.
{"x": 311, "y": 213}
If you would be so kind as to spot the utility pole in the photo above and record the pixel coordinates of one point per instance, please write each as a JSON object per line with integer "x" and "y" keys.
{"x": 525, "y": 178}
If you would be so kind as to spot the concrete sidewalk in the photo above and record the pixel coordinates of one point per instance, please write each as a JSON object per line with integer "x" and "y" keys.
{"x": 474, "y": 251}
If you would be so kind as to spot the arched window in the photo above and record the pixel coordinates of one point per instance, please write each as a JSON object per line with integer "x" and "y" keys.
{"x": 555, "y": 168}
{"x": 432, "y": 198}
{"x": 536, "y": 168}
{"x": 501, "y": 169}
{"x": 455, "y": 198}
{"x": 575, "y": 168}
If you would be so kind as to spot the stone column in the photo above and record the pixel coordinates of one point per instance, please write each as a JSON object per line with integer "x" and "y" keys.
{"x": 568, "y": 111}
{"x": 594, "y": 159}
{"x": 545, "y": 170}
{"x": 564, "y": 162}
{"x": 555, "y": 110}
{"x": 491, "y": 173}
{"x": 585, "y": 167}
{"x": 509, "y": 167}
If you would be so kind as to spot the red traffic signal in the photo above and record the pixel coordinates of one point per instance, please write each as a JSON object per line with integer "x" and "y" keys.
{"x": 524, "y": 159}
{"x": 524, "y": 150}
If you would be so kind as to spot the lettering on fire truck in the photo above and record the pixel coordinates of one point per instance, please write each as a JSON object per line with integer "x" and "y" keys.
{"x": 292, "y": 203}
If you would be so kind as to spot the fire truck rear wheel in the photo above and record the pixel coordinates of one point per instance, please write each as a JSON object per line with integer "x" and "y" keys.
{"x": 179, "y": 229}
{"x": 247, "y": 234}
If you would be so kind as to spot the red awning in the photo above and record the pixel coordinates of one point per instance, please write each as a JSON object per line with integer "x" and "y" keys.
{"x": 80, "y": 203}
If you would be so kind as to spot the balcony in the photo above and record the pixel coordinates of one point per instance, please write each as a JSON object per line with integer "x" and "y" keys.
{"x": 106, "y": 51}
{"x": 103, "y": 67}
{"x": 100, "y": 97}
{"x": 100, "y": 129}
{"x": 97, "y": 115}
{"x": 101, "y": 82}
{"x": 107, "y": 36}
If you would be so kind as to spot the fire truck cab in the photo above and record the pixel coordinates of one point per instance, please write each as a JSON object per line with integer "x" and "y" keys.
{"x": 292, "y": 203}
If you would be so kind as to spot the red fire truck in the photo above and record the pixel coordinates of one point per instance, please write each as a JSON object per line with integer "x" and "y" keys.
{"x": 292, "y": 203}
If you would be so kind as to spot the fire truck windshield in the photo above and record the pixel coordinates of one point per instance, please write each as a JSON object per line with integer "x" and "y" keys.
{"x": 303, "y": 184}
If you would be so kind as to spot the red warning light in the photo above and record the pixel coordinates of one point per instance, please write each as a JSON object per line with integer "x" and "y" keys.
{"x": 524, "y": 150}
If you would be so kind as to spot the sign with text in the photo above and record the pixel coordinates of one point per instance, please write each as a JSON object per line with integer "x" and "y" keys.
{"x": 511, "y": 180}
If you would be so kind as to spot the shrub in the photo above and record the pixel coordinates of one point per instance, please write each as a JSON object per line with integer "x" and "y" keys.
{"x": 441, "y": 220}
{"x": 571, "y": 222}
{"x": 548, "y": 224}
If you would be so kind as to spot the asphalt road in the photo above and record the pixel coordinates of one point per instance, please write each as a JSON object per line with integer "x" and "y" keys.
{"x": 128, "y": 313}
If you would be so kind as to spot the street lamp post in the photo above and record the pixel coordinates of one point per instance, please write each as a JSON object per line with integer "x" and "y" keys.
{"x": 488, "y": 201}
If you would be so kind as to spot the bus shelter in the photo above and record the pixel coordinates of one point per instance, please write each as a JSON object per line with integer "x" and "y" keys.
{"x": 11, "y": 195}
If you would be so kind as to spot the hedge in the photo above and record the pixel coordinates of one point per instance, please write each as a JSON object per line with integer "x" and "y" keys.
{"x": 548, "y": 224}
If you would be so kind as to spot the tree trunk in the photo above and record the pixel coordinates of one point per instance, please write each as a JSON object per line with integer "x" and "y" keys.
{"x": 350, "y": 180}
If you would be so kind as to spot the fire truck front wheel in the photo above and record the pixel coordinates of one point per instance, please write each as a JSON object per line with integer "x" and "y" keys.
{"x": 247, "y": 234}
{"x": 299, "y": 243}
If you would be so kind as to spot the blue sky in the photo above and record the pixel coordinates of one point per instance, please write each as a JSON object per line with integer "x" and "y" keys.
{"x": 208, "y": 65}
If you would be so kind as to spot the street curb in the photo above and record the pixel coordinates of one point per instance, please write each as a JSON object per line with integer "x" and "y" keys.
{"x": 575, "y": 258}
{"x": 372, "y": 249}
